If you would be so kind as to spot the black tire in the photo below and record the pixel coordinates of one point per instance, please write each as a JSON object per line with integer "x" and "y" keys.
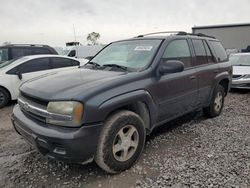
{"x": 105, "y": 157}
{"x": 4, "y": 97}
{"x": 213, "y": 110}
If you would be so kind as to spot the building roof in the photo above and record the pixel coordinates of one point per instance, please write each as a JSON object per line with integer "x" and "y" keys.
{"x": 221, "y": 26}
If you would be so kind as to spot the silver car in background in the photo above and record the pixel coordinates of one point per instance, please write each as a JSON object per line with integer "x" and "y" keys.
{"x": 241, "y": 70}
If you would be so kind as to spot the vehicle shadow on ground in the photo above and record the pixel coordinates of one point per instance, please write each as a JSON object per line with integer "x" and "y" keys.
{"x": 240, "y": 91}
{"x": 87, "y": 173}
{"x": 167, "y": 127}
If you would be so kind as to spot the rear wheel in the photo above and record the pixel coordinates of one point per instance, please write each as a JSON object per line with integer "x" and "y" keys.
{"x": 4, "y": 97}
{"x": 216, "y": 104}
{"x": 121, "y": 142}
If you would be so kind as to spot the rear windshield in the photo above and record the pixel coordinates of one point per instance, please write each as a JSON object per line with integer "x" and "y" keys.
{"x": 4, "y": 55}
{"x": 219, "y": 50}
{"x": 241, "y": 60}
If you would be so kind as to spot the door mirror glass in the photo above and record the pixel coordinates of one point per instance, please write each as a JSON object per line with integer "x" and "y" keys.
{"x": 19, "y": 74}
{"x": 171, "y": 66}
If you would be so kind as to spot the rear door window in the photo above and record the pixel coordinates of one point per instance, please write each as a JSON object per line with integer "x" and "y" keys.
{"x": 178, "y": 50}
{"x": 219, "y": 50}
{"x": 34, "y": 65}
{"x": 38, "y": 50}
{"x": 210, "y": 57}
{"x": 63, "y": 62}
{"x": 19, "y": 52}
{"x": 200, "y": 52}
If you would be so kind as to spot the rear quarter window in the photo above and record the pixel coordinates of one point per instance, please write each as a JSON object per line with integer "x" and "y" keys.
{"x": 219, "y": 50}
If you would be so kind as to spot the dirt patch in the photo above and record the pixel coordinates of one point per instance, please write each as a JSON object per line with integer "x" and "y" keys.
{"x": 189, "y": 152}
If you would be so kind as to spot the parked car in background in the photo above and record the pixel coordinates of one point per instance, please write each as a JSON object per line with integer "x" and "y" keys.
{"x": 81, "y": 52}
{"x": 231, "y": 51}
{"x": 13, "y": 51}
{"x": 103, "y": 110}
{"x": 241, "y": 70}
{"x": 14, "y": 72}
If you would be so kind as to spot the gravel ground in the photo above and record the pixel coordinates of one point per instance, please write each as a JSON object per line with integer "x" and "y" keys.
{"x": 189, "y": 152}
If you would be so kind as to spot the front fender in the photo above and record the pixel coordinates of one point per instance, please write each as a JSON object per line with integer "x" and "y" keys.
{"x": 107, "y": 107}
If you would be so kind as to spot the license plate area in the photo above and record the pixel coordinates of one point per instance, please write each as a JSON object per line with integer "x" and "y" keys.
{"x": 25, "y": 134}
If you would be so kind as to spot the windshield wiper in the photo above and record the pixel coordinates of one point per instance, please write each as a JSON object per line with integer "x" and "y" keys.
{"x": 93, "y": 63}
{"x": 117, "y": 66}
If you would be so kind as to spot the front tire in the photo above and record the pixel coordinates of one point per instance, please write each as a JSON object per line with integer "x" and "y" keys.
{"x": 121, "y": 142}
{"x": 4, "y": 97}
{"x": 216, "y": 103}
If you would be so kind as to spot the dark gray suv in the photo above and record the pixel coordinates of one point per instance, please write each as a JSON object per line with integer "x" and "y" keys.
{"x": 103, "y": 110}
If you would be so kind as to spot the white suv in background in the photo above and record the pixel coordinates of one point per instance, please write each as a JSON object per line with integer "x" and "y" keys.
{"x": 14, "y": 72}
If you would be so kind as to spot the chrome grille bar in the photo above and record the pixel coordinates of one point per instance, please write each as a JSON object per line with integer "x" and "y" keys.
{"x": 26, "y": 106}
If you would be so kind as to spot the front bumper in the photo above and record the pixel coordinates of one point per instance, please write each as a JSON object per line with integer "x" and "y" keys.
{"x": 243, "y": 83}
{"x": 62, "y": 143}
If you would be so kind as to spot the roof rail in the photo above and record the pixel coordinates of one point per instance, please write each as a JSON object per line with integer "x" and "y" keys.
{"x": 163, "y": 32}
{"x": 197, "y": 34}
{"x": 37, "y": 45}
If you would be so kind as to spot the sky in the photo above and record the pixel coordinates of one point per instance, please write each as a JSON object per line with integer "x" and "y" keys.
{"x": 52, "y": 22}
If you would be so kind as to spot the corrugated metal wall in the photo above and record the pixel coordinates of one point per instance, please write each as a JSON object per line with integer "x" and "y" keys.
{"x": 231, "y": 37}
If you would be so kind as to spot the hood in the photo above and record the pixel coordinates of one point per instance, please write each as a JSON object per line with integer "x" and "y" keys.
{"x": 67, "y": 84}
{"x": 241, "y": 70}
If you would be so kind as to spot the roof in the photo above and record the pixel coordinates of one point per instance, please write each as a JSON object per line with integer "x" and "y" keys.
{"x": 221, "y": 26}
{"x": 48, "y": 55}
{"x": 241, "y": 54}
{"x": 169, "y": 34}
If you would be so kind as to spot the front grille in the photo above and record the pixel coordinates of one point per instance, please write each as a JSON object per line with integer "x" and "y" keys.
{"x": 237, "y": 76}
{"x": 35, "y": 100}
{"x": 24, "y": 103}
{"x": 34, "y": 116}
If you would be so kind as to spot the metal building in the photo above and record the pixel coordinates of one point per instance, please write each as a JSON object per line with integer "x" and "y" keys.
{"x": 233, "y": 36}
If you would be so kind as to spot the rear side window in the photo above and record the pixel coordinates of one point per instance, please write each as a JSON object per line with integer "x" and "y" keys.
{"x": 34, "y": 65}
{"x": 19, "y": 52}
{"x": 178, "y": 50}
{"x": 37, "y": 50}
{"x": 63, "y": 62}
{"x": 219, "y": 50}
{"x": 200, "y": 52}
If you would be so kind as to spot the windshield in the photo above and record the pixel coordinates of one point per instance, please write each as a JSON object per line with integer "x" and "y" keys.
{"x": 243, "y": 60}
{"x": 133, "y": 54}
{"x": 4, "y": 54}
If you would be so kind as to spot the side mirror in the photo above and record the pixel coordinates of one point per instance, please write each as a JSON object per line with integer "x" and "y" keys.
{"x": 19, "y": 74}
{"x": 170, "y": 66}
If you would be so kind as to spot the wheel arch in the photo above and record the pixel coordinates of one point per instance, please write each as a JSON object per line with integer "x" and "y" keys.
{"x": 6, "y": 91}
{"x": 139, "y": 102}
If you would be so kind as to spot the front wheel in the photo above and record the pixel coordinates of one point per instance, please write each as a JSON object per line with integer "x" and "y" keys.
{"x": 216, "y": 103}
{"x": 121, "y": 142}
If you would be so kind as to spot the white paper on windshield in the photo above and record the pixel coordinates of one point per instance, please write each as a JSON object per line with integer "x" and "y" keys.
{"x": 143, "y": 48}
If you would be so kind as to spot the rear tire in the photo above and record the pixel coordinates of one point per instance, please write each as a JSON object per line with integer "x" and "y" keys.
{"x": 216, "y": 103}
{"x": 121, "y": 142}
{"x": 4, "y": 97}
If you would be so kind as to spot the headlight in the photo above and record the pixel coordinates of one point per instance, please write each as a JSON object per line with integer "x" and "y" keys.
{"x": 65, "y": 113}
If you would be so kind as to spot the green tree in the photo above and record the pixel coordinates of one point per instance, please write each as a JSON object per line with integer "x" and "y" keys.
{"x": 93, "y": 37}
